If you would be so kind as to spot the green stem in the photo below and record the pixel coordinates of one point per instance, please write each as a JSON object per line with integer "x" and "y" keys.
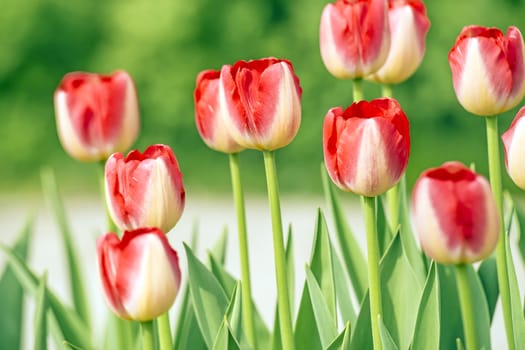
{"x": 392, "y": 197}
{"x": 164, "y": 330}
{"x": 467, "y": 308}
{"x": 148, "y": 342}
{"x": 246, "y": 289}
{"x": 501, "y": 261}
{"x": 285, "y": 318}
{"x": 374, "y": 284}
{"x": 357, "y": 86}
{"x": 386, "y": 90}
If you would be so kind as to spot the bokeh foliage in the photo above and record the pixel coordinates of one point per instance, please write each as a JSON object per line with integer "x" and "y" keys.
{"x": 165, "y": 43}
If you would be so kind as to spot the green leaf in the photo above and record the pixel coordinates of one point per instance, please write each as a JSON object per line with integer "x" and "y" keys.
{"x": 226, "y": 281}
{"x": 187, "y": 331}
{"x": 342, "y": 341}
{"x": 219, "y": 249}
{"x": 13, "y": 295}
{"x": 386, "y": 339}
{"x": 75, "y": 278}
{"x": 326, "y": 324}
{"x": 415, "y": 256}
{"x": 488, "y": 275}
{"x": 306, "y": 329}
{"x": 71, "y": 325}
{"x": 400, "y": 304}
{"x": 353, "y": 258}
{"x": 383, "y": 229}
{"x": 518, "y": 319}
{"x": 225, "y": 339}
{"x": 342, "y": 287}
{"x": 427, "y": 330}
{"x": 520, "y": 215}
{"x": 120, "y": 334}
{"x": 459, "y": 344}
{"x": 321, "y": 263}
{"x": 40, "y": 325}
{"x": 209, "y": 300}
{"x": 451, "y": 327}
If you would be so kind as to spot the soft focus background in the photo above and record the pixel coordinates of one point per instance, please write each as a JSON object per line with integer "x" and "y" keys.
{"x": 165, "y": 43}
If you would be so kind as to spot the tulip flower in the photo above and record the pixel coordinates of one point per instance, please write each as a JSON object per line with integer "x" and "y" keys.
{"x": 366, "y": 146}
{"x": 409, "y": 25}
{"x": 262, "y": 102}
{"x": 514, "y": 144}
{"x": 140, "y": 273}
{"x": 455, "y": 214}
{"x": 144, "y": 189}
{"x": 488, "y": 69}
{"x": 210, "y": 122}
{"x": 96, "y": 115}
{"x": 354, "y": 37}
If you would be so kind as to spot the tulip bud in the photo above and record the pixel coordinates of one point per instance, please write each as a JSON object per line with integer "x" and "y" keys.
{"x": 262, "y": 102}
{"x": 140, "y": 273}
{"x": 514, "y": 144}
{"x": 409, "y": 25}
{"x": 208, "y": 114}
{"x": 144, "y": 189}
{"x": 96, "y": 115}
{"x": 488, "y": 69}
{"x": 366, "y": 146}
{"x": 455, "y": 214}
{"x": 354, "y": 37}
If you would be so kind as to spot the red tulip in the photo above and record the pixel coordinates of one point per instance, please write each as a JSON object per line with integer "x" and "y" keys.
{"x": 262, "y": 101}
{"x": 514, "y": 143}
{"x": 145, "y": 189}
{"x": 208, "y": 114}
{"x": 455, "y": 214}
{"x": 409, "y": 25}
{"x": 366, "y": 146}
{"x": 488, "y": 69}
{"x": 140, "y": 273}
{"x": 96, "y": 115}
{"x": 354, "y": 37}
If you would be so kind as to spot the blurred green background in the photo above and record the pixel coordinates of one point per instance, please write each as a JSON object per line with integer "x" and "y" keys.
{"x": 165, "y": 43}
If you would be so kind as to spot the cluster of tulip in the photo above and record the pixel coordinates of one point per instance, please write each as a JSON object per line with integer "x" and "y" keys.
{"x": 458, "y": 215}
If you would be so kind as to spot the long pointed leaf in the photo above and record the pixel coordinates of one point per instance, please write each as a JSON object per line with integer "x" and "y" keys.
{"x": 326, "y": 324}
{"x": 518, "y": 319}
{"x": 342, "y": 341}
{"x": 72, "y": 327}
{"x": 76, "y": 280}
{"x": 209, "y": 300}
{"x": 353, "y": 258}
{"x": 488, "y": 275}
{"x": 426, "y": 334}
{"x": 13, "y": 296}
{"x": 386, "y": 339}
{"x": 40, "y": 324}
{"x": 344, "y": 300}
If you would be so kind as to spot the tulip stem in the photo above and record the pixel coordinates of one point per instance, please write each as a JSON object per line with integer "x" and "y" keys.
{"x": 285, "y": 318}
{"x": 164, "y": 331}
{"x": 357, "y": 86}
{"x": 501, "y": 260}
{"x": 374, "y": 284}
{"x": 386, "y": 90}
{"x": 467, "y": 309}
{"x": 246, "y": 289}
{"x": 148, "y": 342}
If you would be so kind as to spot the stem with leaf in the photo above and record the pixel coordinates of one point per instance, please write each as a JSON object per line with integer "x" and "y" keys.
{"x": 148, "y": 342}
{"x": 501, "y": 260}
{"x": 164, "y": 331}
{"x": 284, "y": 309}
{"x": 374, "y": 286}
{"x": 467, "y": 308}
{"x": 246, "y": 289}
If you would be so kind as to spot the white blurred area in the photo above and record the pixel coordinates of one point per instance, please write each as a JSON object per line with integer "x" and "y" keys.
{"x": 211, "y": 214}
